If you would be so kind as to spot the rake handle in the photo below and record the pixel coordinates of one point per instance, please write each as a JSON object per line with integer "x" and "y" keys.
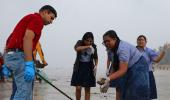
{"x": 53, "y": 86}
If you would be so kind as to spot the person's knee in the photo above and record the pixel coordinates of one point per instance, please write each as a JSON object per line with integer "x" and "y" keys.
{"x": 87, "y": 89}
{"x": 117, "y": 89}
{"x": 78, "y": 88}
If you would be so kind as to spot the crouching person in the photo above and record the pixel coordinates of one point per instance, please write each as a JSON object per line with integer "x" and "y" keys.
{"x": 132, "y": 75}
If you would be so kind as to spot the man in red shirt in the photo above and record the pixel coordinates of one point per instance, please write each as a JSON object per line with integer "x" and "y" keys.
{"x": 20, "y": 45}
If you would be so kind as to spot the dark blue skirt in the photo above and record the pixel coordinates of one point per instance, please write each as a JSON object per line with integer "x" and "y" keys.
{"x": 84, "y": 75}
{"x": 153, "y": 89}
{"x": 135, "y": 83}
{"x": 115, "y": 83}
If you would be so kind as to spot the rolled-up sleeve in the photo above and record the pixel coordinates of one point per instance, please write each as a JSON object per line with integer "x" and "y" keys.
{"x": 153, "y": 54}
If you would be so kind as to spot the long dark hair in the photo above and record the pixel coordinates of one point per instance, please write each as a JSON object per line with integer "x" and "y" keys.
{"x": 112, "y": 34}
{"x": 115, "y": 62}
{"x": 88, "y": 35}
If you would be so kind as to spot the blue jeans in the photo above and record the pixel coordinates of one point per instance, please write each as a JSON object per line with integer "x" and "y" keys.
{"x": 22, "y": 90}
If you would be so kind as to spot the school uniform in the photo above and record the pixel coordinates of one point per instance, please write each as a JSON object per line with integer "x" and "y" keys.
{"x": 150, "y": 55}
{"x": 83, "y": 74}
{"x": 134, "y": 85}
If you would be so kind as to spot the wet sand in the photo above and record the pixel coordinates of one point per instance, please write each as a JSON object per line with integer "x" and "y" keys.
{"x": 43, "y": 91}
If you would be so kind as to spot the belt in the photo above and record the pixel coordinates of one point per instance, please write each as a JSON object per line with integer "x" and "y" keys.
{"x": 13, "y": 50}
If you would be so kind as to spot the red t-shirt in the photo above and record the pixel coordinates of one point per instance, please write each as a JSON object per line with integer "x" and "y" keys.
{"x": 33, "y": 22}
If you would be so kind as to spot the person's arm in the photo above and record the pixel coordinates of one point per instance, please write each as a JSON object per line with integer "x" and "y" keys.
{"x": 95, "y": 54}
{"x": 107, "y": 66}
{"x": 28, "y": 44}
{"x": 124, "y": 57}
{"x": 95, "y": 62}
{"x": 95, "y": 66}
{"x": 162, "y": 53}
{"x": 80, "y": 48}
{"x": 29, "y": 71}
{"x": 35, "y": 52}
{"x": 109, "y": 59}
{"x": 108, "y": 63}
{"x": 155, "y": 56}
{"x": 123, "y": 66}
{"x": 159, "y": 57}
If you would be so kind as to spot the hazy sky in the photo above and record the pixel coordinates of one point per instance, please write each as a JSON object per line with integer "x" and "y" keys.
{"x": 129, "y": 18}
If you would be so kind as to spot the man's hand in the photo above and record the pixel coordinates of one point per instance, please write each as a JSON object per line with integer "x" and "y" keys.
{"x": 29, "y": 71}
{"x": 6, "y": 72}
{"x": 105, "y": 86}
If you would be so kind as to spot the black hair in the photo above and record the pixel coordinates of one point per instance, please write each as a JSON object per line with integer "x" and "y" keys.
{"x": 142, "y": 36}
{"x": 88, "y": 35}
{"x": 112, "y": 34}
{"x": 49, "y": 8}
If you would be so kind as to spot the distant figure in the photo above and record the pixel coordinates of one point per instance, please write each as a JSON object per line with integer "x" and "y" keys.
{"x": 151, "y": 57}
{"x": 85, "y": 65}
{"x": 132, "y": 74}
{"x": 18, "y": 57}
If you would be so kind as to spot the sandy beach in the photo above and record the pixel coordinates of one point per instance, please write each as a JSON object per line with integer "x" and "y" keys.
{"x": 43, "y": 91}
